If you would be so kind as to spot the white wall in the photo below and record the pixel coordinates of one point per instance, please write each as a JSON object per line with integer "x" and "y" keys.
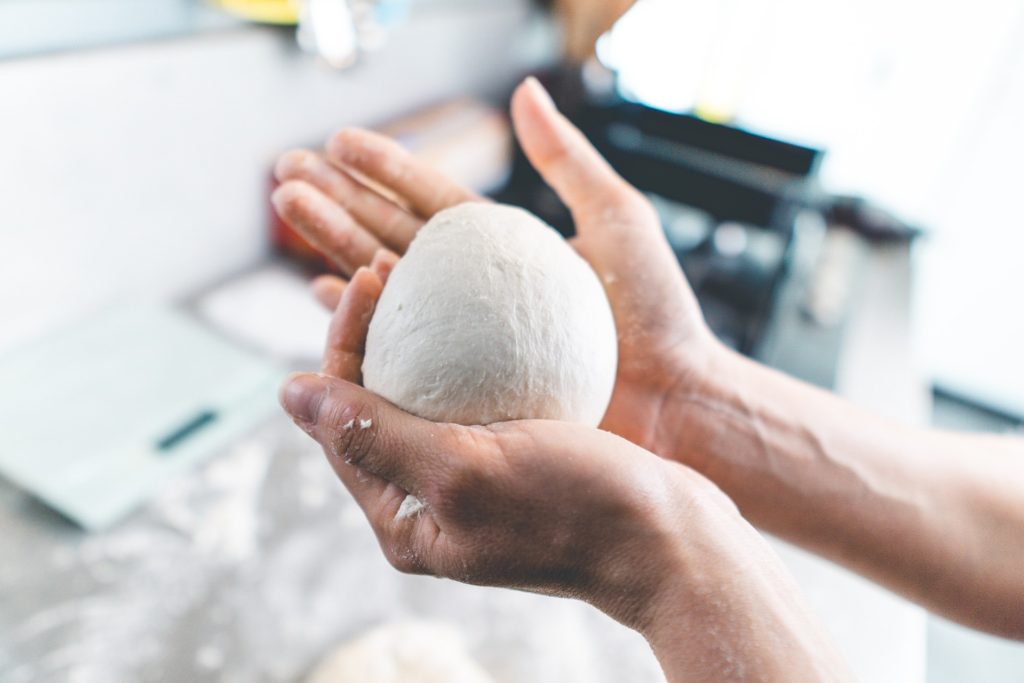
{"x": 142, "y": 170}
{"x": 970, "y": 275}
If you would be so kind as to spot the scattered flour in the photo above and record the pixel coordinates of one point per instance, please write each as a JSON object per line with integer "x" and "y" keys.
{"x": 410, "y": 507}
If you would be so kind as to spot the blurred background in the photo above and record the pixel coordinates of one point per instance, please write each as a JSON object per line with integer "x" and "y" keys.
{"x": 840, "y": 182}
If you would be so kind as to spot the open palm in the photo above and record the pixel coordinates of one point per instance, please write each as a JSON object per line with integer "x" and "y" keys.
{"x": 663, "y": 340}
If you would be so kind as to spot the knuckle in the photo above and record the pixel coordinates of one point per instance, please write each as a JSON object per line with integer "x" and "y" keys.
{"x": 351, "y": 434}
{"x": 342, "y": 237}
{"x": 291, "y": 162}
{"x": 464, "y": 487}
{"x": 289, "y": 194}
{"x": 559, "y": 154}
{"x": 361, "y": 148}
{"x": 343, "y": 143}
{"x": 403, "y": 558}
{"x": 446, "y": 196}
{"x": 462, "y": 469}
{"x": 343, "y": 187}
{"x": 386, "y": 163}
{"x": 391, "y": 225}
{"x": 296, "y": 201}
{"x": 466, "y": 565}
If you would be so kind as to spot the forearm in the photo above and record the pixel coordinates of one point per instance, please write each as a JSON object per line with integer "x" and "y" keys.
{"x": 731, "y": 612}
{"x": 935, "y": 516}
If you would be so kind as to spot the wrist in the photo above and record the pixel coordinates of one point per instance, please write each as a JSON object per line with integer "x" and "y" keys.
{"x": 701, "y": 394}
{"x": 671, "y": 558}
{"x": 726, "y": 605}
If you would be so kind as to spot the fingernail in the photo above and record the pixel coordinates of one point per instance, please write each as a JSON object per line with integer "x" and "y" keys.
{"x": 277, "y": 198}
{"x": 283, "y": 196}
{"x": 301, "y": 396}
{"x": 542, "y": 95}
{"x": 342, "y": 146}
{"x": 289, "y": 162}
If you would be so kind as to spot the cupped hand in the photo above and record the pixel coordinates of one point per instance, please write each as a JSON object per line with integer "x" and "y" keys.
{"x": 546, "y": 506}
{"x": 367, "y": 196}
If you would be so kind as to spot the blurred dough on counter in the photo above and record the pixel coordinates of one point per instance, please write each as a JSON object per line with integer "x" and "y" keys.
{"x": 402, "y": 652}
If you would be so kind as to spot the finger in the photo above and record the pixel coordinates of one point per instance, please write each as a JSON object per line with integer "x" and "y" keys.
{"x": 373, "y": 494}
{"x": 360, "y": 428}
{"x": 425, "y": 189}
{"x": 396, "y": 528}
{"x": 327, "y": 226}
{"x": 346, "y": 337}
{"x": 564, "y": 157}
{"x": 404, "y": 533}
{"x": 383, "y": 263}
{"x": 327, "y": 289}
{"x": 378, "y": 498}
{"x": 390, "y": 223}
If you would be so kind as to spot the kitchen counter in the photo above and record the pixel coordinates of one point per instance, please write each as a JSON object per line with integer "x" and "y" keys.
{"x": 251, "y": 569}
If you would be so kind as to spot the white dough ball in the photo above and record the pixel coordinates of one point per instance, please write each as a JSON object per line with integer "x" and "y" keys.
{"x": 403, "y": 652}
{"x": 492, "y": 316}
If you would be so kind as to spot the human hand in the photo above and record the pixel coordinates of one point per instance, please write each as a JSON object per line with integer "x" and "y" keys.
{"x": 546, "y": 506}
{"x": 560, "y": 509}
{"x": 664, "y": 344}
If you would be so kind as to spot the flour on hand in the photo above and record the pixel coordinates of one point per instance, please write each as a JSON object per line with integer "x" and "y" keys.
{"x": 411, "y": 506}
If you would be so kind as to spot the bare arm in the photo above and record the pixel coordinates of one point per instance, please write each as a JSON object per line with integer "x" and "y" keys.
{"x": 936, "y": 516}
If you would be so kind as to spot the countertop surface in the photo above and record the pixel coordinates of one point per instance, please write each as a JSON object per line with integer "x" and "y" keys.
{"x": 251, "y": 569}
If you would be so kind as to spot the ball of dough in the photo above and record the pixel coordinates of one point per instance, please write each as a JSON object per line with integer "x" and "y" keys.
{"x": 492, "y": 316}
{"x": 402, "y": 652}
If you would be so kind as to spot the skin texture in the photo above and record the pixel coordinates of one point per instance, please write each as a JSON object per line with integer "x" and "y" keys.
{"x": 937, "y": 517}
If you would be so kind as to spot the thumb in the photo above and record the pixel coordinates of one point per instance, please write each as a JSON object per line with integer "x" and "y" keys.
{"x": 359, "y": 428}
{"x": 564, "y": 158}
